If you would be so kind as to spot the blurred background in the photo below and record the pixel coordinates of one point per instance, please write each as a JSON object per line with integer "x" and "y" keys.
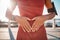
{"x": 52, "y": 26}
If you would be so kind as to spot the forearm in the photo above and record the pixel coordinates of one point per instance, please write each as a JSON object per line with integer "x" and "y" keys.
{"x": 50, "y": 16}
{"x": 10, "y": 9}
{"x": 9, "y": 15}
{"x": 50, "y": 8}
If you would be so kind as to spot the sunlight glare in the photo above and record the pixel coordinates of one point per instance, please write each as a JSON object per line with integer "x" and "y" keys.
{"x": 4, "y": 4}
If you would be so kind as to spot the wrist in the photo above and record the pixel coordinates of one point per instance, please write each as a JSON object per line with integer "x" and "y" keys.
{"x": 50, "y": 15}
{"x": 52, "y": 9}
{"x": 46, "y": 17}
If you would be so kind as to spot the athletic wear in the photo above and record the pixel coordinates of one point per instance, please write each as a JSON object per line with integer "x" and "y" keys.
{"x": 31, "y": 9}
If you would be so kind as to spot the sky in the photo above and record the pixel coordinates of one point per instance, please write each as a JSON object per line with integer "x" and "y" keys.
{"x": 57, "y": 5}
{"x": 4, "y": 4}
{"x": 3, "y": 7}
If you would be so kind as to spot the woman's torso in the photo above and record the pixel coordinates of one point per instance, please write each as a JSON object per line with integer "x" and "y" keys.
{"x": 30, "y": 8}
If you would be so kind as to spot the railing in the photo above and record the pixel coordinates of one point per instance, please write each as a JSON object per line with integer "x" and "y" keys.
{"x": 55, "y": 23}
{"x": 12, "y": 36}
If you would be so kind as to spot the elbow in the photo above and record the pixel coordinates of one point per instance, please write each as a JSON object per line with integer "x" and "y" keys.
{"x": 8, "y": 14}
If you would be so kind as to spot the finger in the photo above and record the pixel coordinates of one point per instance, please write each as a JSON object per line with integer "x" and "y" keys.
{"x": 23, "y": 29}
{"x": 34, "y": 18}
{"x": 33, "y": 29}
{"x": 26, "y": 29}
{"x": 27, "y": 18}
{"x": 35, "y": 25}
{"x": 22, "y": 23}
{"x": 25, "y": 23}
{"x": 25, "y": 26}
{"x": 39, "y": 25}
{"x": 28, "y": 26}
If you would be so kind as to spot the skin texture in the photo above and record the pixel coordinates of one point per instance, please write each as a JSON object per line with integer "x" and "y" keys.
{"x": 39, "y": 21}
{"x": 23, "y": 21}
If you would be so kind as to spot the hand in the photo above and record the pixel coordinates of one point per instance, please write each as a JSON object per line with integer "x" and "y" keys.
{"x": 39, "y": 21}
{"x": 23, "y": 21}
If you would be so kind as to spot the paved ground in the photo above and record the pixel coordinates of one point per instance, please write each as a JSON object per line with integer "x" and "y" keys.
{"x": 52, "y": 34}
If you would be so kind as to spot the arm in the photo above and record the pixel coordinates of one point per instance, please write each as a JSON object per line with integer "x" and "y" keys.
{"x": 39, "y": 21}
{"x": 49, "y": 6}
{"x": 10, "y": 9}
{"x": 21, "y": 20}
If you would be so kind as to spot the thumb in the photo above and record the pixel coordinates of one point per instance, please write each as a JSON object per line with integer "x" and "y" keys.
{"x": 34, "y": 18}
{"x": 27, "y": 18}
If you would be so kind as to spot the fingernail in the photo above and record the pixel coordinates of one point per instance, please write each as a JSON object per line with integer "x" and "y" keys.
{"x": 33, "y": 30}
{"x": 27, "y": 31}
{"x": 36, "y": 29}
